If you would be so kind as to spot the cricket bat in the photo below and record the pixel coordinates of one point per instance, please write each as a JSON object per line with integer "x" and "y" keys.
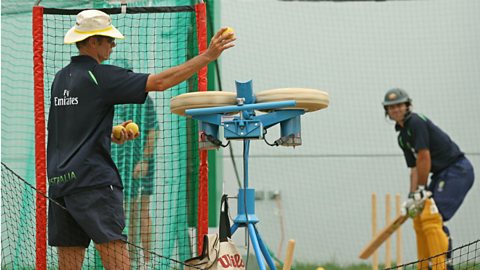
{"x": 378, "y": 240}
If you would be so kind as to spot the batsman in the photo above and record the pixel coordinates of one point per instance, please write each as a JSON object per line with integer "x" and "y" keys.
{"x": 429, "y": 150}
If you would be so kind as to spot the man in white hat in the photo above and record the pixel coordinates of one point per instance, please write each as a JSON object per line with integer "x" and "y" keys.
{"x": 81, "y": 174}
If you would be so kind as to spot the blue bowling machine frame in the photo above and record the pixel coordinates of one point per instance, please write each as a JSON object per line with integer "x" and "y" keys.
{"x": 246, "y": 125}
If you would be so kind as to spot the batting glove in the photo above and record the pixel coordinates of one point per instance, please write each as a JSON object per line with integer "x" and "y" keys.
{"x": 413, "y": 206}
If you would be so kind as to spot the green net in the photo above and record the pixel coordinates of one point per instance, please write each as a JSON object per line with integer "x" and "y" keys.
{"x": 18, "y": 201}
{"x": 18, "y": 221}
{"x": 158, "y": 214}
{"x": 156, "y": 39}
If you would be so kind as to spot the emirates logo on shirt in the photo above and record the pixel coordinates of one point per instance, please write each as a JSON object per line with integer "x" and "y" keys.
{"x": 66, "y": 100}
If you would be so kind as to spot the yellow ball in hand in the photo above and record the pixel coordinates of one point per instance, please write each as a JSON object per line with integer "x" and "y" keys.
{"x": 117, "y": 131}
{"x": 228, "y": 31}
{"x": 133, "y": 128}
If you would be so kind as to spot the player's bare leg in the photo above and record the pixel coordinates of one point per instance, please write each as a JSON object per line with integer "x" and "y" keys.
{"x": 132, "y": 230}
{"x": 146, "y": 223}
{"x": 114, "y": 255}
{"x": 70, "y": 258}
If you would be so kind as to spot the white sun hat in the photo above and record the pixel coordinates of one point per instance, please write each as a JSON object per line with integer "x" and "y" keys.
{"x": 90, "y": 23}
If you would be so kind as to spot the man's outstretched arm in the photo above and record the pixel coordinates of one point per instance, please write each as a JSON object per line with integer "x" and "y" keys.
{"x": 175, "y": 75}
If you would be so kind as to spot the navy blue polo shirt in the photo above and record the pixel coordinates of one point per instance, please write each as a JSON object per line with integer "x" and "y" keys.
{"x": 80, "y": 120}
{"x": 420, "y": 133}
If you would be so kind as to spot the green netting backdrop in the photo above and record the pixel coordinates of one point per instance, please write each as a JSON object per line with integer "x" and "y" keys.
{"x": 155, "y": 40}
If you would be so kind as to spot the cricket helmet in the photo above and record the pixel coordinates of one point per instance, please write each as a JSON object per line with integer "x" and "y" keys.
{"x": 396, "y": 96}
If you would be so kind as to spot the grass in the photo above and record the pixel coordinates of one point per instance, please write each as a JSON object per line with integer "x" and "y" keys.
{"x": 252, "y": 265}
{"x": 332, "y": 266}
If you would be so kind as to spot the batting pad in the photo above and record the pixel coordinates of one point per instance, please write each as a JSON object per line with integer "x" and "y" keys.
{"x": 436, "y": 240}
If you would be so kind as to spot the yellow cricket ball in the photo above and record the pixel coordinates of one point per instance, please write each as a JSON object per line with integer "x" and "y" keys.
{"x": 228, "y": 31}
{"x": 117, "y": 131}
{"x": 133, "y": 128}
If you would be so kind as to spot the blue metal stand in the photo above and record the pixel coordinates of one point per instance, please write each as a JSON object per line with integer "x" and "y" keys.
{"x": 246, "y": 216}
{"x": 248, "y": 126}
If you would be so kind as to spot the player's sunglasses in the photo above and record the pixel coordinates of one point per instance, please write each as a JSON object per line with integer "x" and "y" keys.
{"x": 109, "y": 40}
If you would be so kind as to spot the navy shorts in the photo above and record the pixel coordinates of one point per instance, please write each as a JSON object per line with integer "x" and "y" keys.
{"x": 95, "y": 214}
{"x": 450, "y": 186}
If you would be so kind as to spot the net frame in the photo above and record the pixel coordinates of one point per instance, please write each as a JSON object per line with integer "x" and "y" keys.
{"x": 201, "y": 12}
{"x": 40, "y": 119}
